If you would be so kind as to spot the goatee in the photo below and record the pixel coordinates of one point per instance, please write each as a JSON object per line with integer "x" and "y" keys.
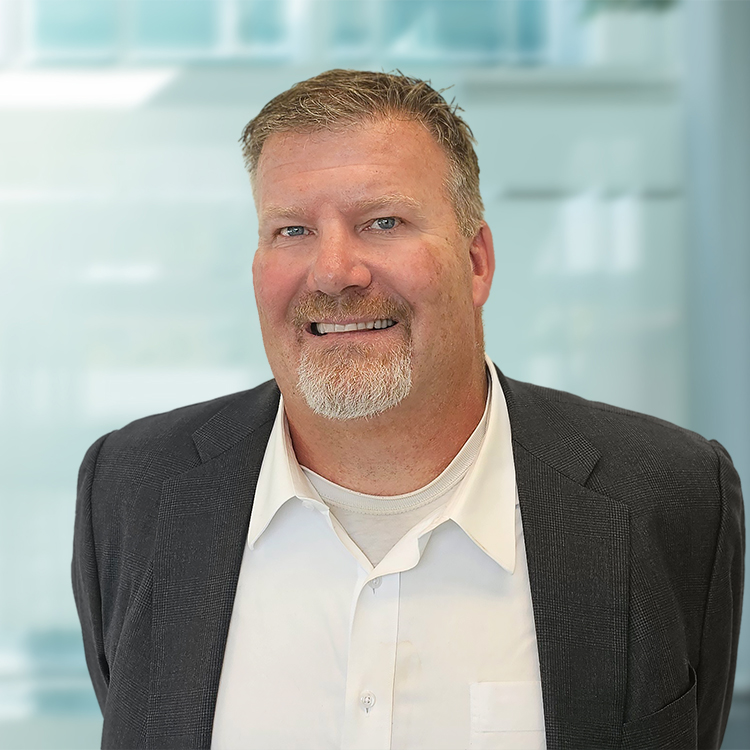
{"x": 354, "y": 380}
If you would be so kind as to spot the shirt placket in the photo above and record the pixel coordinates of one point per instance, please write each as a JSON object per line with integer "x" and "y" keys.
{"x": 371, "y": 663}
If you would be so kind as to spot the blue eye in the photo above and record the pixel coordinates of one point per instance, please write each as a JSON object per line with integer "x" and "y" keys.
{"x": 387, "y": 222}
{"x": 292, "y": 231}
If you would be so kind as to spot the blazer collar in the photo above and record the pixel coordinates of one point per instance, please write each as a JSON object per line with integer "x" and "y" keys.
{"x": 239, "y": 420}
{"x": 577, "y": 543}
{"x": 539, "y": 426}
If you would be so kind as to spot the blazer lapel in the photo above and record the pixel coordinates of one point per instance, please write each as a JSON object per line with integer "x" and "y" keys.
{"x": 203, "y": 521}
{"x": 577, "y": 544}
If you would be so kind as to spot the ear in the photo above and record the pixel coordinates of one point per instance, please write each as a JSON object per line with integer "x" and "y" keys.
{"x": 482, "y": 253}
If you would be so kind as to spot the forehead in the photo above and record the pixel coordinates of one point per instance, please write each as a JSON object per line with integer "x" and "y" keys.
{"x": 385, "y": 155}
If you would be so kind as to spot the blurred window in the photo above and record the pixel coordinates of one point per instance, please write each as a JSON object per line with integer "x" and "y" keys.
{"x": 512, "y": 32}
{"x": 77, "y": 28}
{"x": 169, "y": 25}
{"x": 263, "y": 21}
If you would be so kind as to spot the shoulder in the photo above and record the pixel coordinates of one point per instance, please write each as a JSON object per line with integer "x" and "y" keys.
{"x": 121, "y": 480}
{"x": 633, "y": 457}
{"x": 172, "y": 442}
{"x": 681, "y": 491}
{"x": 608, "y": 426}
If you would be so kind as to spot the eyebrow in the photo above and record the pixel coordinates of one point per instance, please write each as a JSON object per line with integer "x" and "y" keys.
{"x": 390, "y": 200}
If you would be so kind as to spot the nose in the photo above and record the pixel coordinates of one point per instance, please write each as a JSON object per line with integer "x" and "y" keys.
{"x": 338, "y": 264}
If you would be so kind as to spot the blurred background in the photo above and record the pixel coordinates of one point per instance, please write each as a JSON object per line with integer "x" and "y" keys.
{"x": 614, "y": 147}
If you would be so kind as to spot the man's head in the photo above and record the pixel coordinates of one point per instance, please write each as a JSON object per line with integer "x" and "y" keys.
{"x": 339, "y": 99}
{"x": 368, "y": 284}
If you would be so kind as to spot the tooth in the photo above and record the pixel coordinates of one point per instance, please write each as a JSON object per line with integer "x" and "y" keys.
{"x": 361, "y": 326}
{"x": 350, "y": 327}
{"x": 370, "y": 325}
{"x": 338, "y": 328}
{"x": 325, "y": 328}
{"x": 378, "y": 324}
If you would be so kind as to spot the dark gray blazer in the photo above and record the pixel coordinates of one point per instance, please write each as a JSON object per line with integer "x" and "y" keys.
{"x": 634, "y": 533}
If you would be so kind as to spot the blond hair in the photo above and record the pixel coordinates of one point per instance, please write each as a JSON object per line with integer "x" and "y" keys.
{"x": 338, "y": 99}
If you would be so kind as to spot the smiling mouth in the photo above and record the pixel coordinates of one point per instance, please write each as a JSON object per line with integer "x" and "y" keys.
{"x": 323, "y": 329}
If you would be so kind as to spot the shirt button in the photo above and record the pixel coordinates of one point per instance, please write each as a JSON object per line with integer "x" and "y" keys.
{"x": 375, "y": 582}
{"x": 367, "y": 700}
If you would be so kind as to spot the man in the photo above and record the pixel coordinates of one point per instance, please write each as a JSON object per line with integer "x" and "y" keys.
{"x": 391, "y": 544}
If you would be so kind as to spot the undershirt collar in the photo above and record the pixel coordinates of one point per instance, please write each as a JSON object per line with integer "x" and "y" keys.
{"x": 380, "y": 505}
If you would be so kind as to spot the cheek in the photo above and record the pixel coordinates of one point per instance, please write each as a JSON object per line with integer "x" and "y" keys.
{"x": 274, "y": 285}
{"x": 445, "y": 285}
{"x": 447, "y": 304}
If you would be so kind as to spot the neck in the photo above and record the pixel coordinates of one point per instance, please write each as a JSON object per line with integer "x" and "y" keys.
{"x": 397, "y": 451}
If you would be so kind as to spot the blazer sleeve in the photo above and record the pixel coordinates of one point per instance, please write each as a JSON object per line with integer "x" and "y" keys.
{"x": 721, "y": 624}
{"x": 85, "y": 572}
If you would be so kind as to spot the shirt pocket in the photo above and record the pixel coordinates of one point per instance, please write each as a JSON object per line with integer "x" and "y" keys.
{"x": 507, "y": 716}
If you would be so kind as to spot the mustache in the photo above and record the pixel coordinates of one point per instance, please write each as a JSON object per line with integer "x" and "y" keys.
{"x": 318, "y": 306}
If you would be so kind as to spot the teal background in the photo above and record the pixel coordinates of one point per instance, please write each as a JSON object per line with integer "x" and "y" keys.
{"x": 615, "y": 169}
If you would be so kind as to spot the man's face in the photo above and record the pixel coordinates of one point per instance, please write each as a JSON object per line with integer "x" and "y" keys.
{"x": 356, "y": 231}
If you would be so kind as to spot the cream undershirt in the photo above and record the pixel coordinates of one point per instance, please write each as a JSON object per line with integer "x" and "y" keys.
{"x": 376, "y": 522}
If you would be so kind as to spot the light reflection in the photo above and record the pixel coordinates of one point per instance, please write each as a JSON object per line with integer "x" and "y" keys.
{"x": 87, "y": 89}
{"x": 592, "y": 234}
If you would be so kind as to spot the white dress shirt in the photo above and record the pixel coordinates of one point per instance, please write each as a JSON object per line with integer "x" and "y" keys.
{"x": 434, "y": 647}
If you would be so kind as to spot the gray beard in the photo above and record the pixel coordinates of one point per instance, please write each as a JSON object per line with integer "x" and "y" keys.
{"x": 348, "y": 382}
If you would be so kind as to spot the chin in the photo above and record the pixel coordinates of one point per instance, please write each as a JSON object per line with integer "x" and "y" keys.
{"x": 348, "y": 383}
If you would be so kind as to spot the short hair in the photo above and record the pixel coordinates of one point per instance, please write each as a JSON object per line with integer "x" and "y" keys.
{"x": 338, "y": 99}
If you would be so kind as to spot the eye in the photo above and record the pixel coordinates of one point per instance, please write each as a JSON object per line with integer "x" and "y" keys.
{"x": 385, "y": 223}
{"x": 292, "y": 231}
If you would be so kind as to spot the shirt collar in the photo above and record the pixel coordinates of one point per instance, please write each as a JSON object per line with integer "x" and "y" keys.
{"x": 280, "y": 479}
{"x": 484, "y": 505}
